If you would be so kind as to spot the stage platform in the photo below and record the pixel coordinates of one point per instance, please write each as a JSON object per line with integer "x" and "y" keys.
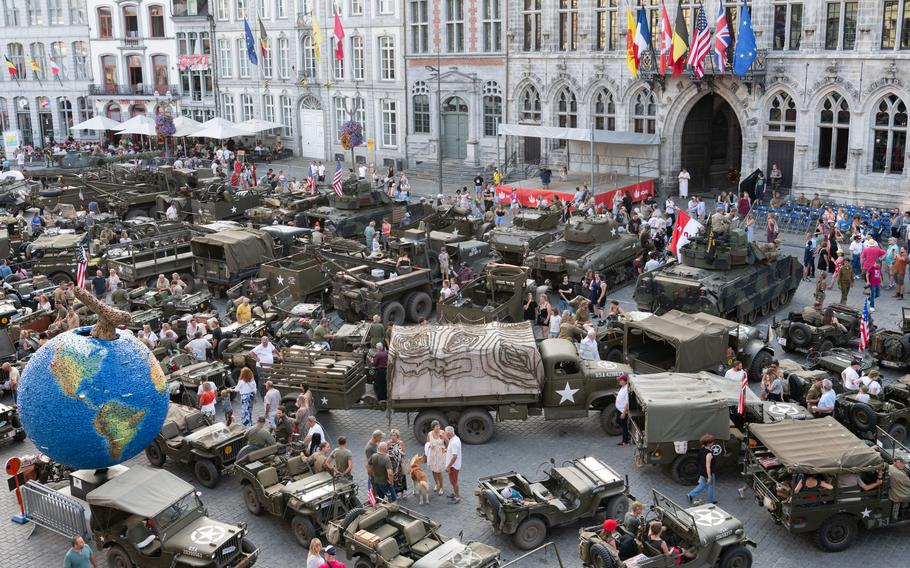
{"x": 531, "y": 191}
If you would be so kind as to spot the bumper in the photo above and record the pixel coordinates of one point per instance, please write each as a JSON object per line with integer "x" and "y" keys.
{"x": 247, "y": 560}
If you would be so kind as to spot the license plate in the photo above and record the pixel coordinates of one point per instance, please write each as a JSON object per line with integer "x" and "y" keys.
{"x": 324, "y": 505}
{"x": 782, "y": 340}
{"x": 228, "y": 550}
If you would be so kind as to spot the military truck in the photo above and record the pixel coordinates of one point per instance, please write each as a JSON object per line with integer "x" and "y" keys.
{"x": 187, "y": 437}
{"x": 225, "y": 258}
{"x": 715, "y": 536}
{"x": 582, "y": 488}
{"x": 797, "y": 334}
{"x": 587, "y": 244}
{"x": 725, "y": 276}
{"x": 142, "y": 517}
{"x": 669, "y": 412}
{"x": 216, "y": 200}
{"x": 530, "y": 230}
{"x": 293, "y": 492}
{"x": 498, "y": 294}
{"x": 890, "y": 411}
{"x": 10, "y": 425}
{"x": 490, "y": 370}
{"x": 139, "y": 262}
{"x": 56, "y": 256}
{"x": 686, "y": 343}
{"x": 782, "y": 458}
{"x": 892, "y": 347}
{"x": 388, "y": 535}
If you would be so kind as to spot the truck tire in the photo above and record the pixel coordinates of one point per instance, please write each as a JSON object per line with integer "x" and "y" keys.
{"x": 737, "y": 556}
{"x": 475, "y": 426}
{"x": 362, "y": 562}
{"x": 530, "y": 534}
{"x": 799, "y": 334}
{"x": 609, "y": 423}
{"x": 247, "y": 546}
{"x": 251, "y": 499}
{"x": 863, "y": 417}
{"x": 352, "y": 515}
{"x": 156, "y": 454}
{"x": 423, "y": 421}
{"x": 393, "y": 312}
{"x": 684, "y": 469}
{"x": 837, "y": 533}
{"x": 898, "y": 431}
{"x": 615, "y": 355}
{"x": 419, "y": 306}
{"x": 206, "y": 473}
{"x": 304, "y": 530}
{"x": 118, "y": 558}
{"x": 761, "y": 360}
{"x": 600, "y": 557}
{"x": 825, "y": 345}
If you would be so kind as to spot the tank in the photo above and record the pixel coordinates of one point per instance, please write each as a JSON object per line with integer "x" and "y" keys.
{"x": 530, "y": 230}
{"x": 738, "y": 281}
{"x": 587, "y": 244}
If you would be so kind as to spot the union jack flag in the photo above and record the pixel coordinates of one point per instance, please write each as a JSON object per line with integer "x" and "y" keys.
{"x": 721, "y": 39}
{"x": 371, "y": 496}
{"x": 701, "y": 44}
{"x": 336, "y": 181}
{"x": 81, "y": 267}
{"x": 864, "y": 328}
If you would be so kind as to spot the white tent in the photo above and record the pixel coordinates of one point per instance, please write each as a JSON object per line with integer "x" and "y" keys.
{"x": 220, "y": 129}
{"x": 139, "y": 124}
{"x": 257, "y": 125}
{"x": 185, "y": 126}
{"x": 97, "y": 123}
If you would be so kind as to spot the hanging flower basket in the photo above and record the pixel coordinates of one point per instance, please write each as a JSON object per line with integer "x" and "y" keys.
{"x": 351, "y": 135}
{"x": 164, "y": 124}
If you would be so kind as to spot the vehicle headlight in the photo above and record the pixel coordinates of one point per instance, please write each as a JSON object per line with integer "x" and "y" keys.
{"x": 295, "y": 502}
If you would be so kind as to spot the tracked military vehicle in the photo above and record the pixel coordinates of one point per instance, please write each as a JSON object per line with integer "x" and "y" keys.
{"x": 724, "y": 275}
{"x": 530, "y": 230}
{"x": 587, "y": 244}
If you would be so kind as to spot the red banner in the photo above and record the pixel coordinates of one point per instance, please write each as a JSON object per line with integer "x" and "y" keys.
{"x": 193, "y": 62}
{"x": 531, "y": 197}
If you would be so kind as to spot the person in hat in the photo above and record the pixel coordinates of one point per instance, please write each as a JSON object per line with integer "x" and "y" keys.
{"x": 330, "y": 561}
{"x": 606, "y": 534}
{"x": 845, "y": 276}
{"x": 622, "y": 408}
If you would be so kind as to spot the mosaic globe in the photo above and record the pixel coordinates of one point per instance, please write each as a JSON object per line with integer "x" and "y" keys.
{"x": 91, "y": 403}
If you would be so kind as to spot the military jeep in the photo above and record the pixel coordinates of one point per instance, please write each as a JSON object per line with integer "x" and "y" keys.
{"x": 890, "y": 412}
{"x": 798, "y": 334}
{"x": 10, "y": 425}
{"x": 188, "y": 437}
{"x": 716, "y": 537}
{"x": 582, "y": 488}
{"x": 183, "y": 383}
{"x": 153, "y": 519}
{"x": 892, "y": 347}
{"x": 390, "y": 536}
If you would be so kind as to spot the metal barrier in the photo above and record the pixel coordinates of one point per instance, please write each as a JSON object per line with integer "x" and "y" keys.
{"x": 54, "y": 511}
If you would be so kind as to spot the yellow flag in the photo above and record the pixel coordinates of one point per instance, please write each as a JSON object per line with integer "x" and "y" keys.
{"x": 317, "y": 37}
{"x": 34, "y": 65}
{"x": 630, "y": 42}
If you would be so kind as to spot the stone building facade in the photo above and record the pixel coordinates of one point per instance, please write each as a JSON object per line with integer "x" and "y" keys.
{"x": 44, "y": 109}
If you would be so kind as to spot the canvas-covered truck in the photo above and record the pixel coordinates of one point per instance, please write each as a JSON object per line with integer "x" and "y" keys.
{"x": 225, "y": 258}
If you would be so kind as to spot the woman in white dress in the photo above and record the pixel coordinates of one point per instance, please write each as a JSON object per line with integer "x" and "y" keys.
{"x": 683, "y": 183}
{"x": 436, "y": 455}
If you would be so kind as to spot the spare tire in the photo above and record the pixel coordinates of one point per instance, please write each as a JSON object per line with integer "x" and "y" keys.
{"x": 863, "y": 417}
{"x": 800, "y": 334}
{"x": 795, "y": 383}
{"x": 50, "y": 192}
{"x": 491, "y": 500}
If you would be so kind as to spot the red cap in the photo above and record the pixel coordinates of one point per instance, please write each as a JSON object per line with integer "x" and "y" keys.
{"x": 610, "y": 525}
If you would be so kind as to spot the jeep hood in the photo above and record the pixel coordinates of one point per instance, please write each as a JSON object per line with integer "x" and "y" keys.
{"x": 454, "y": 554}
{"x": 204, "y": 535}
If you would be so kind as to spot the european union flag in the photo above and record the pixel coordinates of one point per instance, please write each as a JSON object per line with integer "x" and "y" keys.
{"x": 745, "y": 52}
{"x": 250, "y": 43}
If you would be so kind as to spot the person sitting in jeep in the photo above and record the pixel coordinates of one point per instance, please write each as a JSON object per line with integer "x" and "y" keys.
{"x": 899, "y": 489}
{"x": 812, "y": 314}
{"x": 655, "y": 540}
{"x": 259, "y": 436}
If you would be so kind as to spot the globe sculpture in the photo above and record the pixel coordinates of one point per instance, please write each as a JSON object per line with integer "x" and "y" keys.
{"x": 94, "y": 397}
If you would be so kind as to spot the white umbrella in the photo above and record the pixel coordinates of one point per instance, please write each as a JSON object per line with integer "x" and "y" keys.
{"x": 139, "y": 124}
{"x": 257, "y": 125}
{"x": 221, "y": 131}
{"x": 185, "y": 126}
{"x": 97, "y": 123}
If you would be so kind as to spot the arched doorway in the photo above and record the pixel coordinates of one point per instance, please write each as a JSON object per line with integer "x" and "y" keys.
{"x": 455, "y": 128}
{"x": 711, "y": 144}
{"x": 312, "y": 129}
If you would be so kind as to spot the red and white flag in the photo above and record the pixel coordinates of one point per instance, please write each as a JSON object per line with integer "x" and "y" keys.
{"x": 81, "y": 267}
{"x": 864, "y": 328}
{"x": 701, "y": 44}
{"x": 685, "y": 228}
{"x": 55, "y": 69}
{"x": 744, "y": 384}
{"x": 339, "y": 36}
{"x": 666, "y": 40}
{"x": 336, "y": 181}
{"x": 311, "y": 184}
{"x": 371, "y": 495}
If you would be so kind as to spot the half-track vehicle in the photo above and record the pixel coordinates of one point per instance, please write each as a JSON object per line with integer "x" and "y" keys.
{"x": 796, "y": 333}
{"x": 289, "y": 489}
{"x": 530, "y": 230}
{"x": 216, "y": 200}
{"x": 810, "y": 476}
{"x": 715, "y": 536}
{"x": 587, "y": 244}
{"x": 388, "y": 535}
{"x": 582, "y": 488}
{"x": 892, "y": 347}
{"x": 726, "y": 276}
{"x": 188, "y": 437}
{"x": 498, "y": 294}
{"x": 890, "y": 411}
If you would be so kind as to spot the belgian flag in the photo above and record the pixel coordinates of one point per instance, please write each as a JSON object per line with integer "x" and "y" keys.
{"x": 263, "y": 38}
{"x": 11, "y": 67}
{"x": 680, "y": 42}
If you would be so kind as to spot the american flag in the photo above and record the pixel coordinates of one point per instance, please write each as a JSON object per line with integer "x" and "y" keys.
{"x": 721, "y": 39}
{"x": 371, "y": 496}
{"x": 336, "y": 181}
{"x": 864, "y": 328}
{"x": 81, "y": 267}
{"x": 744, "y": 384}
{"x": 701, "y": 44}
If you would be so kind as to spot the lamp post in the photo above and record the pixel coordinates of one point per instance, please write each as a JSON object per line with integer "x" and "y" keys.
{"x": 438, "y": 71}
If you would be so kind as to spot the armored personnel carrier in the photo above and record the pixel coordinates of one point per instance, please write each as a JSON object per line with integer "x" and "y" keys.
{"x": 530, "y": 230}
{"x": 726, "y": 276}
{"x": 587, "y": 244}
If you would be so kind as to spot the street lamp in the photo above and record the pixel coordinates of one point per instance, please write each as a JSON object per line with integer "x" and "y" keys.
{"x": 438, "y": 71}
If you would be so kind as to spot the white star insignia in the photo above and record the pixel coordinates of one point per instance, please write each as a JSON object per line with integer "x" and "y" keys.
{"x": 233, "y": 209}
{"x": 280, "y": 280}
{"x": 613, "y": 232}
{"x": 324, "y": 401}
{"x": 866, "y": 513}
{"x": 567, "y": 394}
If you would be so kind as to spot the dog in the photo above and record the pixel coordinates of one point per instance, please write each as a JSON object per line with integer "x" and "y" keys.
{"x": 419, "y": 477}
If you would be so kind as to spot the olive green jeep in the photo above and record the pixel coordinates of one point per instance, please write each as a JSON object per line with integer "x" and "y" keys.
{"x": 890, "y": 411}
{"x": 188, "y": 437}
{"x": 711, "y": 536}
{"x": 797, "y": 333}
{"x": 582, "y": 488}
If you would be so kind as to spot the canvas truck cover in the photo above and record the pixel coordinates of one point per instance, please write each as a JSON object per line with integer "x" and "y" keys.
{"x": 820, "y": 446}
{"x": 696, "y": 337}
{"x": 684, "y": 406}
{"x": 462, "y": 360}
{"x": 239, "y": 249}
{"x": 141, "y": 490}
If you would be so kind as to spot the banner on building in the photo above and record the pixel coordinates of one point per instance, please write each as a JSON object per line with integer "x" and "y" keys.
{"x": 195, "y": 62}
{"x": 12, "y": 139}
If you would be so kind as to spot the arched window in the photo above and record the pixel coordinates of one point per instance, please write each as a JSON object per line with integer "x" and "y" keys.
{"x": 4, "y": 114}
{"x": 309, "y": 58}
{"x": 17, "y": 56}
{"x": 421, "y": 108}
{"x": 159, "y": 71}
{"x": 156, "y": 21}
{"x": 85, "y": 109}
{"x": 40, "y": 58}
{"x": 833, "y": 132}
{"x": 454, "y": 104}
{"x": 65, "y": 108}
{"x": 890, "y": 145}
{"x": 782, "y": 114}
{"x": 109, "y": 72}
{"x": 644, "y": 113}
{"x": 80, "y": 59}
{"x": 604, "y": 110}
{"x": 566, "y": 109}
{"x": 529, "y": 111}
{"x": 105, "y": 24}
{"x": 492, "y": 108}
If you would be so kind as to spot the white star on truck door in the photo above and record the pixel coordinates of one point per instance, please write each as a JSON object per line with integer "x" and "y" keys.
{"x": 567, "y": 394}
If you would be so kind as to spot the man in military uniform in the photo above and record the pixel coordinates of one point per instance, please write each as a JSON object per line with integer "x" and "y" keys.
{"x": 720, "y": 223}
{"x": 820, "y": 289}
{"x": 844, "y": 278}
{"x": 259, "y": 436}
{"x": 580, "y": 307}
{"x": 814, "y": 393}
{"x": 319, "y": 459}
{"x": 375, "y": 333}
{"x": 120, "y": 297}
{"x": 812, "y": 314}
{"x": 284, "y": 427}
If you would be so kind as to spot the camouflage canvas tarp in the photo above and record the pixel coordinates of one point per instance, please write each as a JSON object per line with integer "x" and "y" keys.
{"x": 449, "y": 361}
{"x": 682, "y": 406}
{"x": 700, "y": 340}
{"x": 820, "y": 446}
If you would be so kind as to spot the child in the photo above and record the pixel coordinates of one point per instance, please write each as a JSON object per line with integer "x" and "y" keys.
{"x": 863, "y": 395}
{"x": 226, "y": 407}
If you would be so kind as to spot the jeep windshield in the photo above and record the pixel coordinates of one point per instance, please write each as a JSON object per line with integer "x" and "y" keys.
{"x": 188, "y": 507}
